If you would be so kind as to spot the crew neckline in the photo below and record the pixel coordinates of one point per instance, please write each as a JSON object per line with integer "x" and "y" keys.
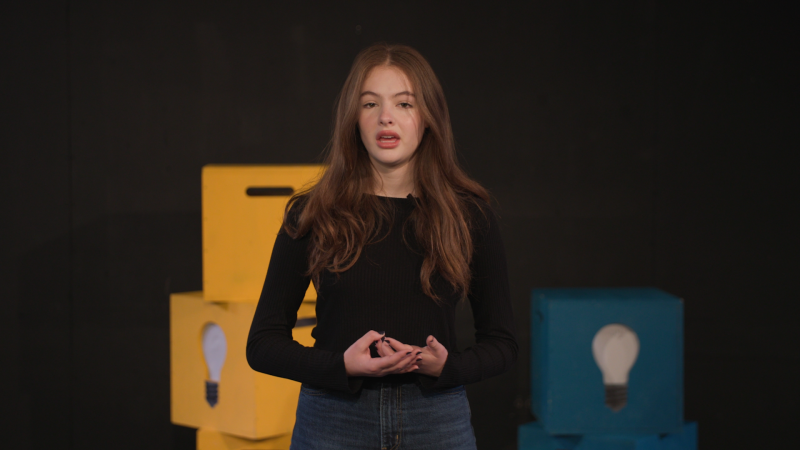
{"x": 408, "y": 197}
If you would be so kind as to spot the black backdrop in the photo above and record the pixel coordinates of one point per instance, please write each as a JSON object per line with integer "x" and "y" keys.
{"x": 627, "y": 143}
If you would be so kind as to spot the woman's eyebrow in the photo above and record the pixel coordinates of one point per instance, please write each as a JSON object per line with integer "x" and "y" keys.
{"x": 409, "y": 93}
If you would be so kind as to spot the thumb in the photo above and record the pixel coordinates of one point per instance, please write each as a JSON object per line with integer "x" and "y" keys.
{"x": 438, "y": 350}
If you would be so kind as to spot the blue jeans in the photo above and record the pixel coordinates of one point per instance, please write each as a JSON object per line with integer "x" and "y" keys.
{"x": 387, "y": 416}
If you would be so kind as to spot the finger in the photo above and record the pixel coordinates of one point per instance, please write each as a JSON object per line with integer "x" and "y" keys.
{"x": 415, "y": 364}
{"x": 420, "y": 352}
{"x": 393, "y": 363}
{"x": 414, "y": 359}
{"x": 367, "y": 339}
{"x": 407, "y": 366}
{"x": 399, "y": 346}
{"x": 384, "y": 349}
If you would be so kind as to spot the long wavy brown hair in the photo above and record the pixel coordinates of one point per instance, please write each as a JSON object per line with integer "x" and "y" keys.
{"x": 343, "y": 215}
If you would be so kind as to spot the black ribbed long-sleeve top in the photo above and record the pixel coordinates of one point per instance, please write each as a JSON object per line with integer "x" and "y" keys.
{"x": 382, "y": 291}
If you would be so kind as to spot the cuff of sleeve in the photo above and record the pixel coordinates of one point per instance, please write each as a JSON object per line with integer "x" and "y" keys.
{"x": 355, "y": 384}
{"x": 426, "y": 381}
{"x": 342, "y": 381}
{"x": 448, "y": 378}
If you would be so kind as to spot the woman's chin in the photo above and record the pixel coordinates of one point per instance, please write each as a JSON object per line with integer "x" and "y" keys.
{"x": 391, "y": 163}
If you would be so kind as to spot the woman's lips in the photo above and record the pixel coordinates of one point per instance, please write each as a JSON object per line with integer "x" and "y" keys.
{"x": 388, "y": 139}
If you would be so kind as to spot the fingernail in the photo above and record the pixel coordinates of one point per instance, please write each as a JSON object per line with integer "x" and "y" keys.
{"x": 419, "y": 353}
{"x": 381, "y": 332}
{"x": 419, "y": 359}
{"x": 408, "y": 353}
{"x": 383, "y": 339}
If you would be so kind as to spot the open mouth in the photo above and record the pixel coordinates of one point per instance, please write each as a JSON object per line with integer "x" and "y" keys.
{"x": 388, "y": 139}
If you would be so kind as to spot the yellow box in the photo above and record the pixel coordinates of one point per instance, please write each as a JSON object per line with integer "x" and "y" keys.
{"x": 239, "y": 228}
{"x": 249, "y": 404}
{"x": 208, "y": 439}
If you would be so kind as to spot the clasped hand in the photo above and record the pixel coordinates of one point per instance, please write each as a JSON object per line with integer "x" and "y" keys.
{"x": 394, "y": 357}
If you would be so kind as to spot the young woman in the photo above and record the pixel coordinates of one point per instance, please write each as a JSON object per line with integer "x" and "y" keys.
{"x": 393, "y": 236}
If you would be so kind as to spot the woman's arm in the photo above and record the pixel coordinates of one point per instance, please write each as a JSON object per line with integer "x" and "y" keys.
{"x": 270, "y": 347}
{"x": 496, "y": 347}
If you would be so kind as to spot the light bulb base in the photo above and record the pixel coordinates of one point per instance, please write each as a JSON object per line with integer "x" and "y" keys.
{"x": 212, "y": 393}
{"x": 616, "y": 396}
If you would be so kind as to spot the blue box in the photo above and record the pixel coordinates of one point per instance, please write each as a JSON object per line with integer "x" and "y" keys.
{"x": 568, "y": 394}
{"x": 531, "y": 436}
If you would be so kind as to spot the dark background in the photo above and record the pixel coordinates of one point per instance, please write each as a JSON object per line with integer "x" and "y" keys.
{"x": 627, "y": 144}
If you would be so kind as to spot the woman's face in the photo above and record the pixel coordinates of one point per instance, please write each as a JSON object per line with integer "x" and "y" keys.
{"x": 389, "y": 122}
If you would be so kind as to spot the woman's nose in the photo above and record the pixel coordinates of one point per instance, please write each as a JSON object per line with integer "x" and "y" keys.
{"x": 386, "y": 117}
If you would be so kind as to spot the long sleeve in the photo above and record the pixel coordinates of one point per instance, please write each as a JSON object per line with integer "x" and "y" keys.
{"x": 496, "y": 346}
{"x": 270, "y": 347}
{"x": 382, "y": 291}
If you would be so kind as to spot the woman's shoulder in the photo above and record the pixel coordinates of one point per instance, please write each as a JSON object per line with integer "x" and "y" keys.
{"x": 482, "y": 214}
{"x": 298, "y": 203}
{"x": 294, "y": 211}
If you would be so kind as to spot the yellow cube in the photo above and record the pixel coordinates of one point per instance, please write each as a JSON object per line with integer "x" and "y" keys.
{"x": 211, "y": 383}
{"x": 242, "y": 212}
{"x": 208, "y": 439}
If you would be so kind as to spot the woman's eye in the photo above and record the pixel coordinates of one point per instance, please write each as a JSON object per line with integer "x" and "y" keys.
{"x": 405, "y": 105}
{"x": 369, "y": 105}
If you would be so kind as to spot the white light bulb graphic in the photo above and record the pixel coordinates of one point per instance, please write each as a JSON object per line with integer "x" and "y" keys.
{"x": 615, "y": 348}
{"x": 215, "y": 347}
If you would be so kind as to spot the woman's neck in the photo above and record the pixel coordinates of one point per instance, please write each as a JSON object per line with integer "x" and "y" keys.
{"x": 395, "y": 182}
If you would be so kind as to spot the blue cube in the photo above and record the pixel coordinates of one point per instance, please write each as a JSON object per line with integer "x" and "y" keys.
{"x": 569, "y": 396}
{"x": 531, "y": 436}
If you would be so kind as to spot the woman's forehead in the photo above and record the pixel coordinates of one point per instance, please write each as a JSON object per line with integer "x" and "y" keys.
{"x": 386, "y": 81}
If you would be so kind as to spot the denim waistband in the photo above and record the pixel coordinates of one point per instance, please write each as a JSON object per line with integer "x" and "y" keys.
{"x": 373, "y": 383}
{"x": 388, "y": 413}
